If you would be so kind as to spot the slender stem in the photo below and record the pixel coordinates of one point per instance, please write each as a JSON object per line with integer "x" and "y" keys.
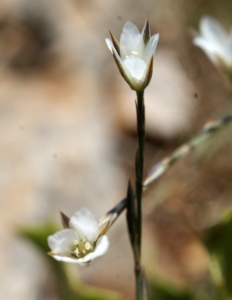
{"x": 139, "y": 161}
{"x": 217, "y": 277}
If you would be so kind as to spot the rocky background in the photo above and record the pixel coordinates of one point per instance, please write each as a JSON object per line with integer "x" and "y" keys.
{"x": 67, "y": 136}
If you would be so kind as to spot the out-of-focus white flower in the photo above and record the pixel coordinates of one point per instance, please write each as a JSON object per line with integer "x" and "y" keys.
{"x": 216, "y": 42}
{"x": 134, "y": 54}
{"x": 80, "y": 241}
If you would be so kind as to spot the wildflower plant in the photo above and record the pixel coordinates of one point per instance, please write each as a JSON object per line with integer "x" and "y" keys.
{"x": 83, "y": 237}
{"x": 134, "y": 58}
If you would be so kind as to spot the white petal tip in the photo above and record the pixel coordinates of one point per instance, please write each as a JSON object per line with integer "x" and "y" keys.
{"x": 109, "y": 44}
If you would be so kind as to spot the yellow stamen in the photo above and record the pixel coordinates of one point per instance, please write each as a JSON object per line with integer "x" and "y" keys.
{"x": 134, "y": 52}
{"x": 76, "y": 251}
{"x": 82, "y": 248}
{"x": 88, "y": 246}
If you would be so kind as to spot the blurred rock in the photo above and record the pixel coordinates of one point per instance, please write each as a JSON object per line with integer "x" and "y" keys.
{"x": 26, "y": 34}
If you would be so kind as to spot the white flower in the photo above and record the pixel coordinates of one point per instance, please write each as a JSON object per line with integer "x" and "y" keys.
{"x": 215, "y": 41}
{"x": 134, "y": 54}
{"x": 80, "y": 241}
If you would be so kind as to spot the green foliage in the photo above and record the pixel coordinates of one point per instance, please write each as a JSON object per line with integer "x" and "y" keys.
{"x": 165, "y": 291}
{"x": 218, "y": 240}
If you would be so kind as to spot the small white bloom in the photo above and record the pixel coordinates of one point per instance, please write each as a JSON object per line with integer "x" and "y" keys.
{"x": 134, "y": 54}
{"x": 215, "y": 41}
{"x": 80, "y": 241}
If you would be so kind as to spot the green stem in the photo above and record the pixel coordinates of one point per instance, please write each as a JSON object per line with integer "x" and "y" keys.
{"x": 217, "y": 277}
{"x": 139, "y": 161}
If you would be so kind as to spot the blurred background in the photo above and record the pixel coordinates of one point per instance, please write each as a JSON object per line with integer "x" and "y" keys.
{"x": 67, "y": 138}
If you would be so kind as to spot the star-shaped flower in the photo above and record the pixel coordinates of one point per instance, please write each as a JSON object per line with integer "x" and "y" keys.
{"x": 134, "y": 54}
{"x": 81, "y": 241}
{"x": 216, "y": 42}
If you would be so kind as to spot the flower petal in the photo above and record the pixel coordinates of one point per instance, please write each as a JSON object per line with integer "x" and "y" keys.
{"x": 65, "y": 259}
{"x": 228, "y": 51}
{"x": 147, "y": 74}
{"x": 212, "y": 30}
{"x": 101, "y": 248}
{"x": 62, "y": 241}
{"x": 150, "y": 48}
{"x": 85, "y": 224}
{"x": 207, "y": 47}
{"x": 131, "y": 40}
{"x": 123, "y": 70}
{"x": 109, "y": 44}
{"x": 136, "y": 67}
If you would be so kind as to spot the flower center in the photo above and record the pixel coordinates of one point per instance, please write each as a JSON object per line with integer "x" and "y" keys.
{"x": 133, "y": 53}
{"x": 82, "y": 248}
